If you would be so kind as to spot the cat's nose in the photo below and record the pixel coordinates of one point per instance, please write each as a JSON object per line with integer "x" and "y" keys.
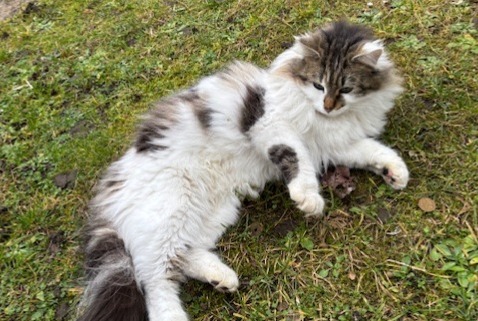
{"x": 329, "y": 104}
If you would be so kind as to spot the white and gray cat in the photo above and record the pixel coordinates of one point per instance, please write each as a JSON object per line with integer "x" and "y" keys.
{"x": 160, "y": 208}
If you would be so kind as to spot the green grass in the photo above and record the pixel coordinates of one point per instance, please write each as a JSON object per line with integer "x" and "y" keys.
{"x": 76, "y": 75}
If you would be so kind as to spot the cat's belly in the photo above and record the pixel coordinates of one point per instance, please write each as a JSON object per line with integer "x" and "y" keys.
{"x": 181, "y": 203}
{"x": 165, "y": 204}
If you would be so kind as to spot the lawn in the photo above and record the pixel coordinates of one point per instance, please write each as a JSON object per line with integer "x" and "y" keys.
{"x": 75, "y": 76}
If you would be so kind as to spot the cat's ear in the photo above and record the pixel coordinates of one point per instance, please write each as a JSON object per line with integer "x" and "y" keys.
{"x": 369, "y": 58}
{"x": 310, "y": 43}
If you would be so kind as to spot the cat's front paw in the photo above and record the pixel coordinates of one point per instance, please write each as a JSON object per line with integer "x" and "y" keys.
{"x": 395, "y": 174}
{"x": 306, "y": 195}
{"x": 309, "y": 202}
{"x": 312, "y": 204}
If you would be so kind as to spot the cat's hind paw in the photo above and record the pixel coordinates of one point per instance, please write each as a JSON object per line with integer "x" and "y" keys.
{"x": 203, "y": 265}
{"x": 227, "y": 281}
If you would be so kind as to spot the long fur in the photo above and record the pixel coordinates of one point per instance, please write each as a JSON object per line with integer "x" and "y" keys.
{"x": 160, "y": 208}
{"x": 114, "y": 295}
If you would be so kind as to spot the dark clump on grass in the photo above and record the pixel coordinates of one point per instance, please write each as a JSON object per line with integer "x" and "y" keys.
{"x": 76, "y": 75}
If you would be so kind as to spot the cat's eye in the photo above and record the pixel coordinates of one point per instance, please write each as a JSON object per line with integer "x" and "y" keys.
{"x": 318, "y": 86}
{"x": 346, "y": 90}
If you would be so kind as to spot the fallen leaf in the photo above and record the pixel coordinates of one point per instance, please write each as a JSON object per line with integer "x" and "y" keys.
{"x": 426, "y": 204}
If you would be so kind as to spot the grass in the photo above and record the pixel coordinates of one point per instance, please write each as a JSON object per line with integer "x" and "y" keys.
{"x": 76, "y": 75}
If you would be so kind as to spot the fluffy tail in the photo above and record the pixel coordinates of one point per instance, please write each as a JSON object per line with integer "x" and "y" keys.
{"x": 112, "y": 293}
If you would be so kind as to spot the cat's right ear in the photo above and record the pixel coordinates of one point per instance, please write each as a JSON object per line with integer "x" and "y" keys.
{"x": 310, "y": 42}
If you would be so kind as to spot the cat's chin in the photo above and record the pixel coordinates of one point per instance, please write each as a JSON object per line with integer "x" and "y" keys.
{"x": 331, "y": 114}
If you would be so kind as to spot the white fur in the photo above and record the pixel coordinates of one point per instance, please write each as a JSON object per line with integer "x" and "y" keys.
{"x": 177, "y": 203}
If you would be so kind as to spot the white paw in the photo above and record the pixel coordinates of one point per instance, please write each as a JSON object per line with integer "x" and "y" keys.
{"x": 223, "y": 278}
{"x": 170, "y": 316}
{"x": 313, "y": 205}
{"x": 307, "y": 198}
{"x": 395, "y": 174}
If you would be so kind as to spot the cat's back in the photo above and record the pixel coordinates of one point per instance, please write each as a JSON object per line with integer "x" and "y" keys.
{"x": 215, "y": 113}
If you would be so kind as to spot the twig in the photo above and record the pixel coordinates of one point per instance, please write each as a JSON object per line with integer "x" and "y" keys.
{"x": 415, "y": 268}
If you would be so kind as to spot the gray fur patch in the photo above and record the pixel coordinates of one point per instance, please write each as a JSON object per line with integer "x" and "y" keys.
{"x": 111, "y": 185}
{"x": 149, "y": 132}
{"x": 204, "y": 116}
{"x": 203, "y": 113}
{"x": 102, "y": 244}
{"x": 253, "y": 107}
{"x": 190, "y": 96}
{"x": 155, "y": 126}
{"x": 286, "y": 158}
{"x": 112, "y": 293}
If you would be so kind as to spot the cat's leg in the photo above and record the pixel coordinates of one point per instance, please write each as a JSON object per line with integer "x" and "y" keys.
{"x": 378, "y": 158}
{"x": 299, "y": 174}
{"x": 206, "y": 266}
{"x": 162, "y": 299}
{"x": 284, "y": 148}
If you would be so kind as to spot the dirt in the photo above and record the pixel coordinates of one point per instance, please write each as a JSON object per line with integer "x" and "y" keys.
{"x": 65, "y": 180}
{"x": 8, "y": 8}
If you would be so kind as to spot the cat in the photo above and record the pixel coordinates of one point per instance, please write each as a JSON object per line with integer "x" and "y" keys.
{"x": 160, "y": 208}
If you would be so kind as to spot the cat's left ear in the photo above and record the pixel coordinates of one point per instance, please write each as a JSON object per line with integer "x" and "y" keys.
{"x": 369, "y": 58}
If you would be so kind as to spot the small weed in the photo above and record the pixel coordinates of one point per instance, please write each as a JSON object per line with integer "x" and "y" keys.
{"x": 459, "y": 260}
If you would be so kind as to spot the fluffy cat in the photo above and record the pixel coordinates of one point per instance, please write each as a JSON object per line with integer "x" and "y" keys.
{"x": 160, "y": 208}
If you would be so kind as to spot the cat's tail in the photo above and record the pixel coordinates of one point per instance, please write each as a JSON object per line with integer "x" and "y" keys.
{"x": 112, "y": 293}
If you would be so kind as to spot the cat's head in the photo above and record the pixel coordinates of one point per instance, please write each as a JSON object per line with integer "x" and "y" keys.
{"x": 338, "y": 66}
